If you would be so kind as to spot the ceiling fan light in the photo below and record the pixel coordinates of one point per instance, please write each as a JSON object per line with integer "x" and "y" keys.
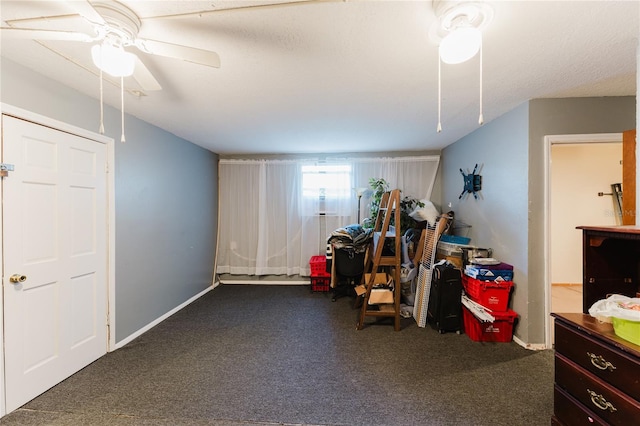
{"x": 460, "y": 45}
{"x": 113, "y": 60}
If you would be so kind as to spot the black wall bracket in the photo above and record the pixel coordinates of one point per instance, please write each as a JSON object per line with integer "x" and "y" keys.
{"x": 472, "y": 183}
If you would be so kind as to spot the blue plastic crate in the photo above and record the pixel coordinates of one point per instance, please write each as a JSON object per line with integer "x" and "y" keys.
{"x": 454, "y": 239}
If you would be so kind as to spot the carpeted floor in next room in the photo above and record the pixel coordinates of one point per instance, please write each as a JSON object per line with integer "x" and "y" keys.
{"x": 262, "y": 355}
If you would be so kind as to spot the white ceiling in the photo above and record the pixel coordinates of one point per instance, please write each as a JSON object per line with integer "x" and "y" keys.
{"x": 343, "y": 76}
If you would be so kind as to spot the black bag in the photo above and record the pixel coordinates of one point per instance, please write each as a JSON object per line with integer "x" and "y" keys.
{"x": 349, "y": 266}
{"x": 349, "y": 263}
{"x": 444, "y": 311}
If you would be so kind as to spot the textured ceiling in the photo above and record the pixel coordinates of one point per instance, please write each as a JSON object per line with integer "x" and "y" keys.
{"x": 342, "y": 76}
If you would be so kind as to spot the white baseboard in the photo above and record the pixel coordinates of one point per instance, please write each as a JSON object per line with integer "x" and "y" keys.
{"x": 530, "y": 346}
{"x": 152, "y": 324}
{"x": 264, "y": 282}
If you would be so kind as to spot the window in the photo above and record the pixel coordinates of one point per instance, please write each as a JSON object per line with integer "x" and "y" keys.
{"x": 326, "y": 181}
{"x": 326, "y": 189}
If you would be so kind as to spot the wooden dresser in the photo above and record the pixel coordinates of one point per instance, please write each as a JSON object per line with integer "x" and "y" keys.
{"x": 597, "y": 374}
{"x": 610, "y": 263}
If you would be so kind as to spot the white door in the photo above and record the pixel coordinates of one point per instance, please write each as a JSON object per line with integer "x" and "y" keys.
{"x": 55, "y": 234}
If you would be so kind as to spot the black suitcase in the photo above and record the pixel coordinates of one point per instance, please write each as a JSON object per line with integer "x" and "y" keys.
{"x": 444, "y": 311}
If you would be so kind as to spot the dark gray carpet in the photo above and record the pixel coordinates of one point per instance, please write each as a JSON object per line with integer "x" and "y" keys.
{"x": 282, "y": 355}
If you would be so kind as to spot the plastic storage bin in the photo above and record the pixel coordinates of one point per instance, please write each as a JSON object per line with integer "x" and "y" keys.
{"x": 455, "y": 239}
{"x": 451, "y": 252}
{"x": 627, "y": 329}
{"x": 318, "y": 266}
{"x": 320, "y": 284}
{"x": 486, "y": 274}
{"x": 320, "y": 278}
{"x": 501, "y": 330}
{"x": 490, "y": 294}
{"x": 450, "y": 249}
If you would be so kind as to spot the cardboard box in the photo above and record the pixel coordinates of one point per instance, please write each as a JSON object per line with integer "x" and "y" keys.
{"x": 455, "y": 260}
{"x": 380, "y": 296}
{"x": 381, "y": 278}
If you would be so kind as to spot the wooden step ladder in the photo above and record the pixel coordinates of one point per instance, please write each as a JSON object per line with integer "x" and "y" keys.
{"x": 376, "y": 260}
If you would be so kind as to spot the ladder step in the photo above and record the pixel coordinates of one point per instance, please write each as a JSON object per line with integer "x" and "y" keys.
{"x": 388, "y": 261}
{"x": 390, "y": 313}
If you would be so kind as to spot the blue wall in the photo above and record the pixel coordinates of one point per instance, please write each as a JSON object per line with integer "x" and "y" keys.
{"x": 166, "y": 195}
{"x": 498, "y": 218}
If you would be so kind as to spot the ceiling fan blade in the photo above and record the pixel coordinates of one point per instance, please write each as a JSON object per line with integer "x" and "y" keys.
{"x": 143, "y": 76}
{"x": 31, "y": 34}
{"x": 86, "y": 10}
{"x": 185, "y": 53}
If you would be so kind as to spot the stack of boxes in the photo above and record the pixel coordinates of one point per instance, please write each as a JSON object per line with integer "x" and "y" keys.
{"x": 489, "y": 286}
{"x": 320, "y": 278}
{"x": 450, "y": 247}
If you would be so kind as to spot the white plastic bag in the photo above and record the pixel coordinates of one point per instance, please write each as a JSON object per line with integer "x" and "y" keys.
{"x": 617, "y": 306}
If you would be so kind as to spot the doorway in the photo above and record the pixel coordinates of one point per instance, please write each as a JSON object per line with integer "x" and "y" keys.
{"x": 575, "y": 195}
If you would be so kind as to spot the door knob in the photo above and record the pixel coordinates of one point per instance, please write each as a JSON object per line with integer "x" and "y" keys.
{"x": 17, "y": 278}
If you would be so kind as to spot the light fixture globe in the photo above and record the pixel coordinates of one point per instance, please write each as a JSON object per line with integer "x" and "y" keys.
{"x": 460, "y": 45}
{"x": 113, "y": 59}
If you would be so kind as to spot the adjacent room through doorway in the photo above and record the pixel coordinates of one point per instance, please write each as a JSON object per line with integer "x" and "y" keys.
{"x": 582, "y": 191}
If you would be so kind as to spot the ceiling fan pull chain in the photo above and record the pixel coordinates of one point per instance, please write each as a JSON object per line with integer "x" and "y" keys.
{"x": 481, "y": 117}
{"x": 439, "y": 128}
{"x": 122, "y": 139}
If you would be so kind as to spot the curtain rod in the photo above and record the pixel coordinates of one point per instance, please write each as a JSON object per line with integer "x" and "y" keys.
{"x": 331, "y": 159}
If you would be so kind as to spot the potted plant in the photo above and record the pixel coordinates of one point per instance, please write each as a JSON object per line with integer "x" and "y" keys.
{"x": 407, "y": 204}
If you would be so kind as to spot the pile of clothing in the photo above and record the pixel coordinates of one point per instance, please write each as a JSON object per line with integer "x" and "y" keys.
{"x": 353, "y": 238}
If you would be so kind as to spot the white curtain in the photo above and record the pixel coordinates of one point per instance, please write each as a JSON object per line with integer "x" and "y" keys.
{"x": 267, "y": 226}
{"x": 414, "y": 176}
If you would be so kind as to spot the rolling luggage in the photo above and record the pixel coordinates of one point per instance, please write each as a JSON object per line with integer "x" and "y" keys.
{"x": 444, "y": 311}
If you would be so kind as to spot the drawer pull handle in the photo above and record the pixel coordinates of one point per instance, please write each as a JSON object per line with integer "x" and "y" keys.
{"x": 600, "y": 363}
{"x": 600, "y": 401}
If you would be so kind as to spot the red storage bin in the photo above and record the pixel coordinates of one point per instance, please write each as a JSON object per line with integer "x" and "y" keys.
{"x": 318, "y": 265}
{"x": 501, "y": 330}
{"x": 320, "y": 284}
{"x": 490, "y": 294}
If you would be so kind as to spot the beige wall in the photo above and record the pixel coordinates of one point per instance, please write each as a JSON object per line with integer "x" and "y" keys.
{"x": 578, "y": 173}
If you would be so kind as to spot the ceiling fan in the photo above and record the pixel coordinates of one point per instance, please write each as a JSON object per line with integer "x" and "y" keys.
{"x": 116, "y": 28}
{"x": 113, "y": 28}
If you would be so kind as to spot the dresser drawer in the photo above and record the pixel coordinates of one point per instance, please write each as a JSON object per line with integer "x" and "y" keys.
{"x": 569, "y": 412}
{"x": 607, "y": 402}
{"x": 616, "y": 367}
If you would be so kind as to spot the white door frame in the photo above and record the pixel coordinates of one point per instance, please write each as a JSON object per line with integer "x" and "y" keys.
{"x": 548, "y": 141}
{"x": 55, "y": 124}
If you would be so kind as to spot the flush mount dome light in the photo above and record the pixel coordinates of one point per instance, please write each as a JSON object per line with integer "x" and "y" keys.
{"x": 460, "y": 45}
{"x": 113, "y": 59}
